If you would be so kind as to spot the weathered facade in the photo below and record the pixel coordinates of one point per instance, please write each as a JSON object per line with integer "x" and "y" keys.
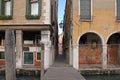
{"x": 95, "y": 34}
{"x": 67, "y": 23}
{"x": 60, "y": 39}
{"x": 32, "y": 22}
{"x": 54, "y": 21}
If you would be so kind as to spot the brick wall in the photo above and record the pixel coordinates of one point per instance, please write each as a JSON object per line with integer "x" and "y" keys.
{"x": 112, "y": 51}
{"x": 2, "y": 62}
{"x": 88, "y": 55}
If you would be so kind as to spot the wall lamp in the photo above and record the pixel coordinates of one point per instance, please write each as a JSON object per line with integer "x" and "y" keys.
{"x": 61, "y": 24}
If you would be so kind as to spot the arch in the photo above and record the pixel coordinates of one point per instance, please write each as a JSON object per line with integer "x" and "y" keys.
{"x": 111, "y": 35}
{"x": 102, "y": 40}
{"x": 113, "y": 48}
{"x": 90, "y": 48}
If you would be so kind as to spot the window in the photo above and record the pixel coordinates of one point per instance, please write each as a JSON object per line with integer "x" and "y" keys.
{"x": 37, "y": 39}
{"x": 7, "y": 4}
{"x": 38, "y": 56}
{"x": 85, "y": 9}
{"x": 5, "y": 9}
{"x": 33, "y": 9}
{"x": 118, "y": 9}
{"x": 2, "y": 55}
{"x": 28, "y": 57}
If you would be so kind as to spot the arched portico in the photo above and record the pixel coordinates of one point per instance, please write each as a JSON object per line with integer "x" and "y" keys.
{"x": 113, "y": 49}
{"x": 90, "y": 49}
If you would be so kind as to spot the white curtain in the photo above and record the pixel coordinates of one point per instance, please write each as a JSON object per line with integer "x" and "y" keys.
{"x": 7, "y": 7}
{"x": 34, "y": 9}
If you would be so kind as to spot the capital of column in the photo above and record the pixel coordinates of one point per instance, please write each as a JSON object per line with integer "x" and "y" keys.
{"x": 18, "y": 31}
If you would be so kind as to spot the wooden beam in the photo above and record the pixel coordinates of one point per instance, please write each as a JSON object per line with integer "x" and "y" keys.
{"x": 10, "y": 54}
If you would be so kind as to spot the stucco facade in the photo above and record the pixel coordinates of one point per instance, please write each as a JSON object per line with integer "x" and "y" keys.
{"x": 30, "y": 32}
{"x": 91, "y": 39}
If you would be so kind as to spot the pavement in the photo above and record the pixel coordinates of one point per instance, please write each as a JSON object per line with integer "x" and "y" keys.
{"x": 60, "y": 70}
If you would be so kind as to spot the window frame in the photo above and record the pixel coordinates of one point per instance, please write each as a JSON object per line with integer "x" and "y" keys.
{"x": 28, "y": 10}
{"x": 5, "y": 9}
{"x": 37, "y": 56}
{"x": 31, "y": 7}
{"x": 24, "y": 56}
{"x": 4, "y": 55}
{"x": 80, "y": 12}
{"x": 3, "y": 16}
{"x": 116, "y": 11}
{"x": 37, "y": 39}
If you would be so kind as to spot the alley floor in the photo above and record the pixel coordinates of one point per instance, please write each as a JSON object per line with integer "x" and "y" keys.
{"x": 62, "y": 71}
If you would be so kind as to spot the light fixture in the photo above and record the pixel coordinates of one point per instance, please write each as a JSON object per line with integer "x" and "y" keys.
{"x": 61, "y": 24}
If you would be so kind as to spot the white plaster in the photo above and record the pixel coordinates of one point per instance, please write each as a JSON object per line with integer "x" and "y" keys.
{"x": 28, "y": 42}
{"x": 46, "y": 56}
{"x": 104, "y": 57}
{"x": 45, "y": 36}
{"x": 47, "y": 9}
{"x": 19, "y": 52}
{"x": 71, "y": 54}
{"x": 2, "y": 48}
{"x": 32, "y": 49}
{"x": 75, "y": 57}
{"x": 51, "y": 55}
{"x": 38, "y": 49}
{"x": 45, "y": 39}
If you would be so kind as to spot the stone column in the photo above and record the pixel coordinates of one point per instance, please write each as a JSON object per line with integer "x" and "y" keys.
{"x": 104, "y": 57}
{"x": 19, "y": 48}
{"x": 45, "y": 39}
{"x": 75, "y": 57}
{"x": 10, "y": 55}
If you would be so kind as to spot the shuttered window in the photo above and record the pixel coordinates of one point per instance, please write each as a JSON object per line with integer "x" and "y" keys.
{"x": 33, "y": 9}
{"x": 85, "y": 9}
{"x": 118, "y": 9}
{"x": 28, "y": 58}
{"x": 1, "y": 7}
{"x": 2, "y": 55}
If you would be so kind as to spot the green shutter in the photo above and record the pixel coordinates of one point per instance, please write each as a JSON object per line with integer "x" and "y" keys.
{"x": 11, "y": 10}
{"x": 40, "y": 7}
{"x": 28, "y": 58}
{"x": 1, "y": 7}
{"x": 27, "y": 7}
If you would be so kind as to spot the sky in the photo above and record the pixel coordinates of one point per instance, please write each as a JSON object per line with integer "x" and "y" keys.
{"x": 61, "y": 8}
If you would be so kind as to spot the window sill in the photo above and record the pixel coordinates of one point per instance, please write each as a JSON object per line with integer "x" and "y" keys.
{"x": 85, "y": 20}
{"x": 3, "y": 17}
{"x": 89, "y": 19}
{"x": 118, "y": 20}
{"x": 31, "y": 17}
